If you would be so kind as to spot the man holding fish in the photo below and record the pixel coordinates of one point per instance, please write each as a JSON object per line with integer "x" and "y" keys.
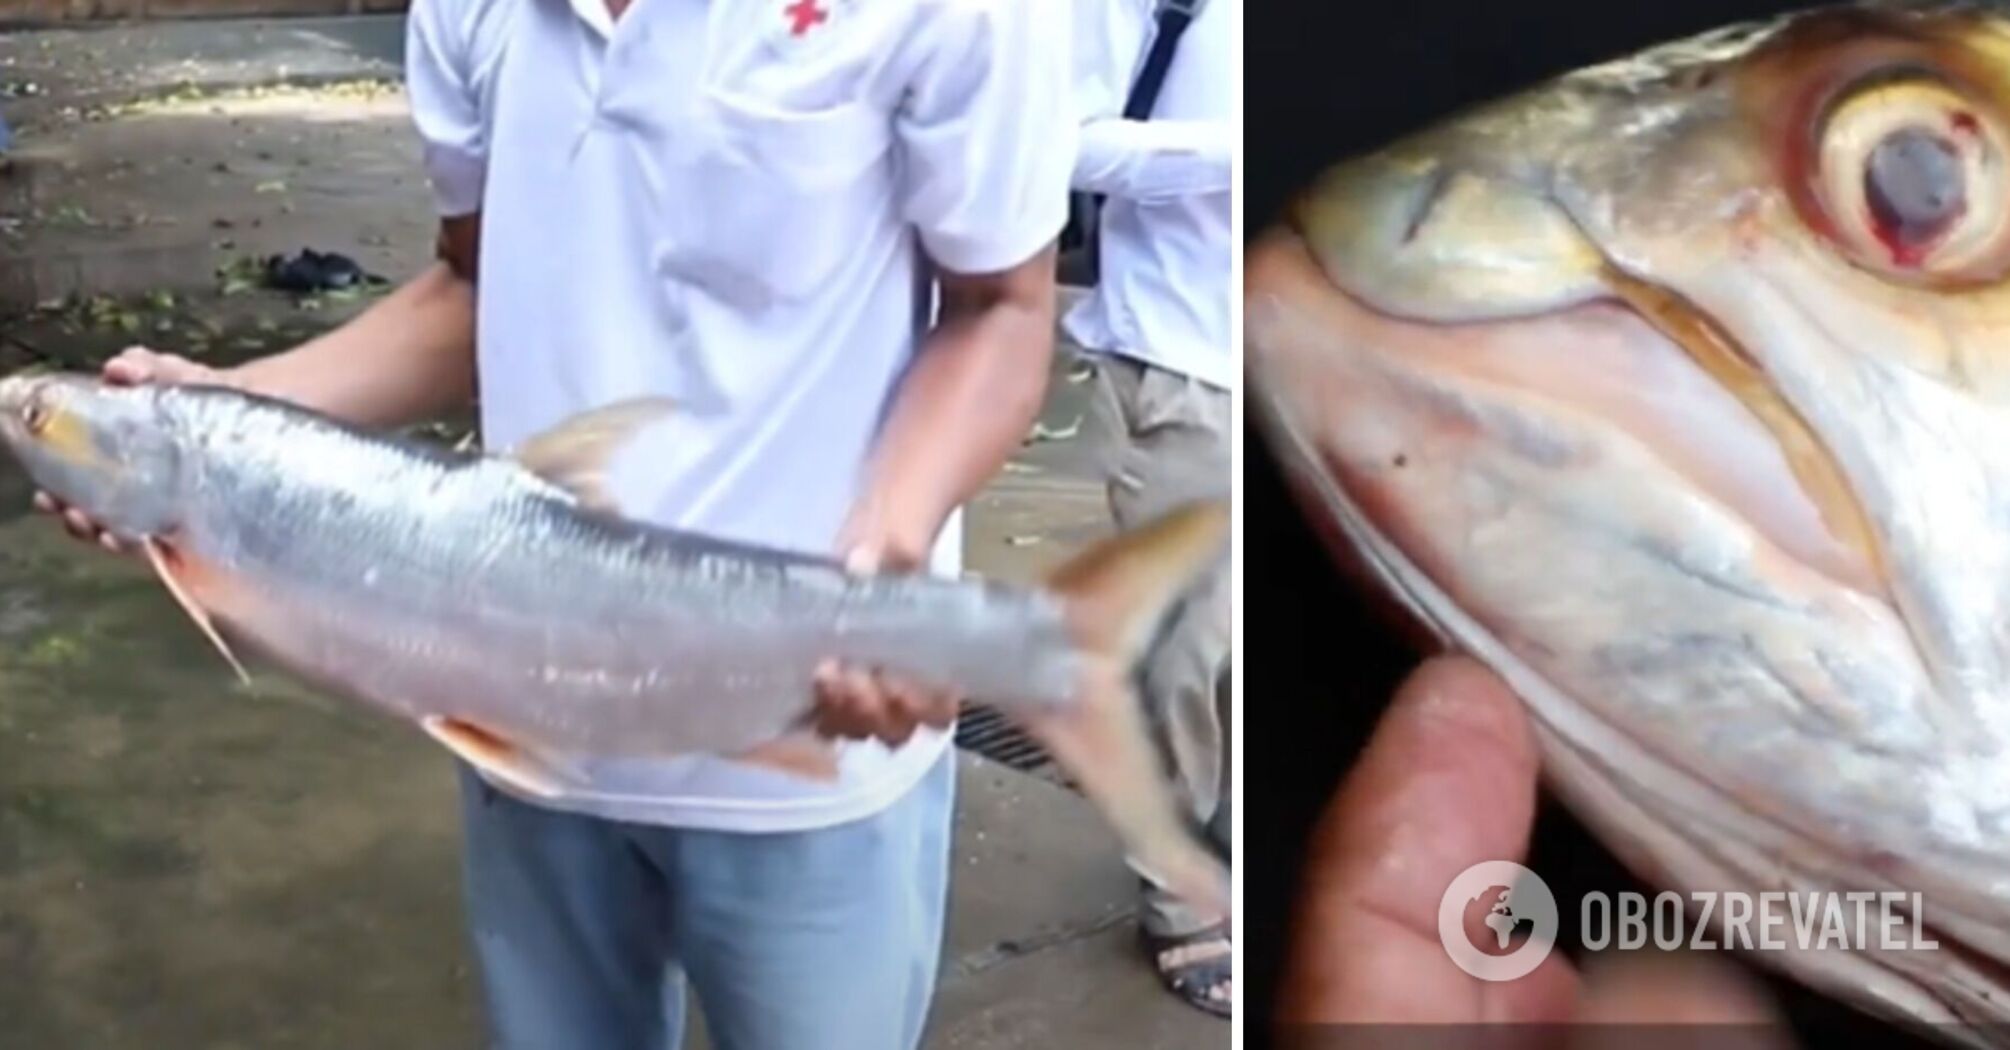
{"x": 734, "y": 207}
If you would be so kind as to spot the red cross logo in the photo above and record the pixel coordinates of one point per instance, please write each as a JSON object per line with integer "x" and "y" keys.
{"x": 803, "y": 14}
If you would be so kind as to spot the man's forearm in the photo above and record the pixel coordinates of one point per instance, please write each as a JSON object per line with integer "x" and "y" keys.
{"x": 407, "y": 358}
{"x": 966, "y": 405}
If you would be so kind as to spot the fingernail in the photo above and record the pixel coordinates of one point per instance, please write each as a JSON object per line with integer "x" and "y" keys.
{"x": 110, "y": 543}
{"x": 44, "y": 502}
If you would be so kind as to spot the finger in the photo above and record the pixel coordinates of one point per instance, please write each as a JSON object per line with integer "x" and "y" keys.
{"x": 850, "y": 706}
{"x": 1625, "y": 991}
{"x": 943, "y": 707}
{"x": 132, "y": 366}
{"x": 907, "y": 704}
{"x": 928, "y": 704}
{"x": 862, "y": 561}
{"x": 823, "y": 681}
{"x": 857, "y": 530}
{"x": 1448, "y": 780}
{"x": 79, "y": 525}
{"x": 863, "y": 699}
{"x": 835, "y": 714}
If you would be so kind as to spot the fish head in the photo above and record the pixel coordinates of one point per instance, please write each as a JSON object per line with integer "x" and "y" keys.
{"x": 110, "y": 451}
{"x": 1677, "y": 390}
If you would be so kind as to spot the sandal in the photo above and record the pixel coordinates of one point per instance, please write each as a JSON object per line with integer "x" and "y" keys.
{"x": 1199, "y": 967}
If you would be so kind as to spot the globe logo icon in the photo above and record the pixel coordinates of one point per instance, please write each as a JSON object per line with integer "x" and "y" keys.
{"x": 1519, "y": 917}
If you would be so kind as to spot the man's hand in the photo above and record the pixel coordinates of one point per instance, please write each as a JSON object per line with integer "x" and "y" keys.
{"x": 862, "y": 702}
{"x": 962, "y": 410}
{"x": 1448, "y": 781}
{"x": 132, "y": 367}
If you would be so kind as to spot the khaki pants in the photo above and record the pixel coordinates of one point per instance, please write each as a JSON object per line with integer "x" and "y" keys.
{"x": 1166, "y": 438}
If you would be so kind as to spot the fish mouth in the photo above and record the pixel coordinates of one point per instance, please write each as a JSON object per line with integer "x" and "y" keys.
{"x": 17, "y": 391}
{"x": 1362, "y": 400}
{"x": 24, "y": 417}
{"x": 1625, "y": 355}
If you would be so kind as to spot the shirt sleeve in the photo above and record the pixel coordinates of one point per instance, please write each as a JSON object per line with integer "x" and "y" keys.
{"x": 1156, "y": 159}
{"x": 445, "y": 105}
{"x": 1137, "y": 159}
{"x": 987, "y": 132}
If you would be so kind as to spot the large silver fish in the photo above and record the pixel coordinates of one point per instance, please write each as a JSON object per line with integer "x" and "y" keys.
{"x": 1677, "y": 390}
{"x": 501, "y": 603}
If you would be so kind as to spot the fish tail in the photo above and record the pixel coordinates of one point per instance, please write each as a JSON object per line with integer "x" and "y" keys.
{"x": 1114, "y": 596}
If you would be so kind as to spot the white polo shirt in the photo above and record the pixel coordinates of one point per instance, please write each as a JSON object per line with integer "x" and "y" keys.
{"x": 1168, "y": 223}
{"x": 720, "y": 202}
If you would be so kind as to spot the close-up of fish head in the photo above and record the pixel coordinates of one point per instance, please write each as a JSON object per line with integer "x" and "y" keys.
{"x": 1677, "y": 390}
{"x": 108, "y": 450}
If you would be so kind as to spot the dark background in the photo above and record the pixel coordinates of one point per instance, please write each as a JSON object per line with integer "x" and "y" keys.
{"x": 1324, "y": 80}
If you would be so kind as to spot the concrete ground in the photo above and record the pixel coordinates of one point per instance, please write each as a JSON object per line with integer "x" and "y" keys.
{"x": 182, "y": 865}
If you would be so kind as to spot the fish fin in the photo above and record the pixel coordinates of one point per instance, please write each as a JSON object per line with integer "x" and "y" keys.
{"x": 497, "y": 756}
{"x": 574, "y": 454}
{"x": 802, "y": 753}
{"x": 1117, "y": 591}
{"x": 164, "y": 564}
{"x": 1114, "y": 595}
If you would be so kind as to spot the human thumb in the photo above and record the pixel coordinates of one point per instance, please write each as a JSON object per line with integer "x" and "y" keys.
{"x": 863, "y": 560}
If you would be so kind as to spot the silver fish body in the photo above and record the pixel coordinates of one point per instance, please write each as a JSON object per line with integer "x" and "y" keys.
{"x": 500, "y": 603}
{"x": 434, "y": 584}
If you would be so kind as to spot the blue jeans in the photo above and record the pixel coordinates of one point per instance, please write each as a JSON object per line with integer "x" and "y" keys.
{"x": 587, "y": 930}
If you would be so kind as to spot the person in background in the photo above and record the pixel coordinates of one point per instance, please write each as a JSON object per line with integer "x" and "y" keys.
{"x": 1158, "y": 322}
{"x": 823, "y": 229}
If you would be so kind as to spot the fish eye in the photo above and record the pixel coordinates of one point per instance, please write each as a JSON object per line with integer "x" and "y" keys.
{"x": 1912, "y": 180}
{"x": 35, "y": 416}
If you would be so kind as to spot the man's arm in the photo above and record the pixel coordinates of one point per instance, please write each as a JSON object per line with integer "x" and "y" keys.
{"x": 411, "y": 355}
{"x": 1155, "y": 159}
{"x": 960, "y": 413}
{"x": 407, "y": 358}
{"x": 986, "y": 133}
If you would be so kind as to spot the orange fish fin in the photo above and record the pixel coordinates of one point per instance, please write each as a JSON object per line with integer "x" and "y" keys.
{"x": 497, "y": 756}
{"x": 1114, "y": 594}
{"x": 166, "y": 565}
{"x": 803, "y": 754}
{"x": 574, "y": 453}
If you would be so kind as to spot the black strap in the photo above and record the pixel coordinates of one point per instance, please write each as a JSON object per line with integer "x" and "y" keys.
{"x": 1174, "y": 16}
